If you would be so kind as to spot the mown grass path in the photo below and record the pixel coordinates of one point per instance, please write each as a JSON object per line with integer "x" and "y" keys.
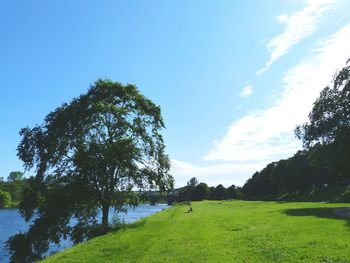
{"x": 233, "y": 231}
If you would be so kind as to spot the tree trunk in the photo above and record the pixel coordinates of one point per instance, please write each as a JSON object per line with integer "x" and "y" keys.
{"x": 105, "y": 212}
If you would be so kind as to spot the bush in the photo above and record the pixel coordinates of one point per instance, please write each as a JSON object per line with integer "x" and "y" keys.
{"x": 117, "y": 223}
{"x": 5, "y": 199}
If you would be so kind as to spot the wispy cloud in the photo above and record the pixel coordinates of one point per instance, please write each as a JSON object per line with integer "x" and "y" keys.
{"x": 297, "y": 27}
{"x": 267, "y": 134}
{"x": 246, "y": 91}
{"x": 225, "y": 174}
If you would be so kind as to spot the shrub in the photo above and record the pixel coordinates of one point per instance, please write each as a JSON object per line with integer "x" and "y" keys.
{"x": 5, "y": 199}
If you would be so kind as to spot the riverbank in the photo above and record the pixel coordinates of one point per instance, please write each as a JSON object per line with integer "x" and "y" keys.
{"x": 232, "y": 231}
{"x": 12, "y": 223}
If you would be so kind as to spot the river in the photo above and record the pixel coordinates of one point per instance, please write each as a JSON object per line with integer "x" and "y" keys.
{"x": 12, "y": 223}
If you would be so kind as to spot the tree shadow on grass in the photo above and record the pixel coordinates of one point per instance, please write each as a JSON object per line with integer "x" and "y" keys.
{"x": 340, "y": 213}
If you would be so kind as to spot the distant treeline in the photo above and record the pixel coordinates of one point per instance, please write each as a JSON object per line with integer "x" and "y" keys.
{"x": 11, "y": 189}
{"x": 193, "y": 191}
{"x": 311, "y": 169}
{"x": 325, "y": 160}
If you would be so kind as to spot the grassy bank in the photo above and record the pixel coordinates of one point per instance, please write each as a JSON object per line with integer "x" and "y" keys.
{"x": 234, "y": 231}
{"x": 331, "y": 194}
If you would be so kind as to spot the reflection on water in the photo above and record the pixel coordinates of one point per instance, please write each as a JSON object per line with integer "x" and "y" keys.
{"x": 12, "y": 223}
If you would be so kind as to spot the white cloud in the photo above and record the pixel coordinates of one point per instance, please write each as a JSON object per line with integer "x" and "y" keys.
{"x": 297, "y": 27}
{"x": 226, "y": 173}
{"x": 246, "y": 91}
{"x": 268, "y": 134}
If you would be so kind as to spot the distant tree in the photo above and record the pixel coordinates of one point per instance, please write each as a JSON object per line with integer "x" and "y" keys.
{"x": 239, "y": 193}
{"x": 15, "y": 176}
{"x": 322, "y": 161}
{"x": 219, "y": 192}
{"x": 233, "y": 192}
{"x": 188, "y": 190}
{"x": 192, "y": 182}
{"x": 153, "y": 197}
{"x": 184, "y": 194}
{"x": 5, "y": 199}
{"x": 14, "y": 186}
{"x": 171, "y": 198}
{"x": 297, "y": 174}
{"x": 211, "y": 192}
{"x": 200, "y": 192}
{"x": 97, "y": 148}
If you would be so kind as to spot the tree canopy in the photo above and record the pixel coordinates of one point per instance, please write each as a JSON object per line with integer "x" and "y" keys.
{"x": 326, "y": 140}
{"x": 14, "y": 185}
{"x": 329, "y": 126}
{"x": 88, "y": 156}
{"x": 330, "y": 115}
{"x": 15, "y": 176}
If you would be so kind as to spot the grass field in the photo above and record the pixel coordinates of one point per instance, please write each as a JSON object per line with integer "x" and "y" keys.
{"x": 233, "y": 231}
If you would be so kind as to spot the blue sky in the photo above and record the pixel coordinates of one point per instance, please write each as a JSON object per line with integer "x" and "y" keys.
{"x": 233, "y": 78}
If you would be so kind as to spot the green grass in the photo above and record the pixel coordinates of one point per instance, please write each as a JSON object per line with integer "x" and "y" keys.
{"x": 233, "y": 231}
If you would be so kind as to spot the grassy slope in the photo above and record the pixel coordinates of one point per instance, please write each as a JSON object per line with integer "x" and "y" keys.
{"x": 235, "y": 231}
{"x": 332, "y": 194}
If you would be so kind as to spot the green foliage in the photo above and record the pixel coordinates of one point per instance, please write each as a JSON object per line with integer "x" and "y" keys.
{"x": 330, "y": 115}
{"x": 339, "y": 194}
{"x": 231, "y": 231}
{"x": 277, "y": 178}
{"x": 14, "y": 186}
{"x": 117, "y": 223}
{"x": 233, "y": 192}
{"x": 325, "y": 160}
{"x": 329, "y": 125}
{"x": 219, "y": 193}
{"x": 195, "y": 191}
{"x": 200, "y": 192}
{"x": 88, "y": 155}
{"x": 5, "y": 199}
{"x": 15, "y": 176}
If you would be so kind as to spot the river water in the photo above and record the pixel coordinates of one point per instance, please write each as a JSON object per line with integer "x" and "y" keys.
{"x": 12, "y": 223}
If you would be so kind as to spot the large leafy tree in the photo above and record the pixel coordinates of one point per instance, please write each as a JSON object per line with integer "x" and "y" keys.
{"x": 88, "y": 156}
{"x": 330, "y": 115}
{"x": 329, "y": 124}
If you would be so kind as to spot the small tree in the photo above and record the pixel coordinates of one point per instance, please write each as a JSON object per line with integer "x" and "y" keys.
{"x": 88, "y": 156}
